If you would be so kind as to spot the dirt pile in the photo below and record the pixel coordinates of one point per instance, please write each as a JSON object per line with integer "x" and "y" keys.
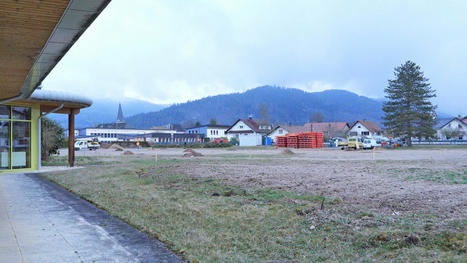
{"x": 287, "y": 152}
{"x": 105, "y": 146}
{"x": 128, "y": 153}
{"x": 117, "y": 147}
{"x": 191, "y": 153}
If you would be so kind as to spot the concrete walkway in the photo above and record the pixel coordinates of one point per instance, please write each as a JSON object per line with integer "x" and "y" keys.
{"x": 41, "y": 222}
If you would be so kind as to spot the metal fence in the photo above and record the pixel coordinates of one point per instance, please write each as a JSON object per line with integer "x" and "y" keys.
{"x": 440, "y": 142}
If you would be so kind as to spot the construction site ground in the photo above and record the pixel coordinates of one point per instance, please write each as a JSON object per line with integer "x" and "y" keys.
{"x": 426, "y": 184}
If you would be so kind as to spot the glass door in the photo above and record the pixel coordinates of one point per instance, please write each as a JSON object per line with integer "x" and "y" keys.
{"x": 4, "y": 145}
{"x": 15, "y": 137}
{"x": 21, "y": 152}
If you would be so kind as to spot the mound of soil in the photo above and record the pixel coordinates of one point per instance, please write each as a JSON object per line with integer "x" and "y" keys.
{"x": 287, "y": 152}
{"x": 128, "y": 153}
{"x": 191, "y": 153}
{"x": 105, "y": 146}
{"x": 117, "y": 147}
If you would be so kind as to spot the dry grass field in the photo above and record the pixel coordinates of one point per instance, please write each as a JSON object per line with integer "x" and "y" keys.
{"x": 255, "y": 205}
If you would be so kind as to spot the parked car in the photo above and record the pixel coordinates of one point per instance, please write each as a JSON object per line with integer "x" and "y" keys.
{"x": 370, "y": 143}
{"x": 220, "y": 140}
{"x": 83, "y": 145}
{"x": 94, "y": 145}
{"x": 353, "y": 141}
{"x": 336, "y": 142}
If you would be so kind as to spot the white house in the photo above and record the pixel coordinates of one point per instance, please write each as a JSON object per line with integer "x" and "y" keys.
{"x": 365, "y": 128}
{"x": 249, "y": 132}
{"x": 451, "y": 128}
{"x": 282, "y": 130}
{"x": 211, "y": 131}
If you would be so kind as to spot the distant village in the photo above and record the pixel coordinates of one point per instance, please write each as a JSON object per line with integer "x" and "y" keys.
{"x": 251, "y": 132}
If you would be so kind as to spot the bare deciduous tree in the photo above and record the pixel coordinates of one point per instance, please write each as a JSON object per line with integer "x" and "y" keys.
{"x": 264, "y": 112}
{"x": 316, "y": 117}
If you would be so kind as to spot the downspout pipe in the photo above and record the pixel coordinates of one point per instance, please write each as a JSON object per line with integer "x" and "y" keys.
{"x": 39, "y": 139}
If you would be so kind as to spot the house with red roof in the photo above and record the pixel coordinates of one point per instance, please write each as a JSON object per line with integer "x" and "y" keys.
{"x": 365, "y": 128}
{"x": 249, "y": 132}
{"x": 329, "y": 129}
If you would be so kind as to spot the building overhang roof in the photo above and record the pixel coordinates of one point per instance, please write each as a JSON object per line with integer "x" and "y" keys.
{"x": 50, "y": 100}
{"x": 35, "y": 35}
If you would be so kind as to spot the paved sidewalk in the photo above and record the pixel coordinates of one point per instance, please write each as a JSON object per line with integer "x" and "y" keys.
{"x": 41, "y": 222}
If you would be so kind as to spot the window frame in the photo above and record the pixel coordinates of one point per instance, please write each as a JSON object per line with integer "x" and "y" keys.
{"x": 12, "y": 120}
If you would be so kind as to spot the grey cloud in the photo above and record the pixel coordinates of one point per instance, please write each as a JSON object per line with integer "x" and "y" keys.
{"x": 173, "y": 51}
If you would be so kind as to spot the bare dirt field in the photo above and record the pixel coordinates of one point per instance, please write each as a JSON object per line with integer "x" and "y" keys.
{"x": 395, "y": 180}
{"x": 300, "y": 154}
{"x": 375, "y": 200}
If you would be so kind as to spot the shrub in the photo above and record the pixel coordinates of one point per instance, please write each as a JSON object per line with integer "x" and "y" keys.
{"x": 52, "y": 137}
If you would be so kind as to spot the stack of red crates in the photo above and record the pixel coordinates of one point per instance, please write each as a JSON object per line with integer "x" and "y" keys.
{"x": 319, "y": 139}
{"x": 306, "y": 140}
{"x": 281, "y": 141}
{"x": 292, "y": 141}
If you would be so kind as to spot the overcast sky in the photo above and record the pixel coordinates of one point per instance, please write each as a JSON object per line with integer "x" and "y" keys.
{"x": 174, "y": 51}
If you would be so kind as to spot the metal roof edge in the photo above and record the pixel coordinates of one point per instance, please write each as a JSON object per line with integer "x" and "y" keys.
{"x": 35, "y": 76}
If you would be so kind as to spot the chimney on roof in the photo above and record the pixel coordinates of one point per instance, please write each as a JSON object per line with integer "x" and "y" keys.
{"x": 250, "y": 117}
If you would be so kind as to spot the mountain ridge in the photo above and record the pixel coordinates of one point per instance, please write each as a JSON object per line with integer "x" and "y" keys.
{"x": 284, "y": 105}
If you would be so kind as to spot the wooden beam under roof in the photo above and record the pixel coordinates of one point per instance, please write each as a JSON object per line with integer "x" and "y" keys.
{"x": 25, "y": 27}
{"x": 35, "y": 35}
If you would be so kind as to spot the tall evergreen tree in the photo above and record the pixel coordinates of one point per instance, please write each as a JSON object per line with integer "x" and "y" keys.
{"x": 408, "y": 110}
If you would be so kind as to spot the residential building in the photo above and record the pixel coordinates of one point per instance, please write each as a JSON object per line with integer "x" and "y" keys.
{"x": 249, "y": 132}
{"x": 211, "y": 131}
{"x": 282, "y": 130}
{"x": 365, "y": 128}
{"x": 451, "y": 129}
{"x": 35, "y": 36}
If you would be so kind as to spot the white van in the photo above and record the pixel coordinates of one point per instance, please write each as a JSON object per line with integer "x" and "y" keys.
{"x": 81, "y": 145}
{"x": 370, "y": 143}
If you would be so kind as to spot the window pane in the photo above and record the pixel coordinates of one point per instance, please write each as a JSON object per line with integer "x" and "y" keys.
{"x": 20, "y": 156}
{"x": 4, "y": 145}
{"x": 4, "y": 112}
{"x": 21, "y": 113}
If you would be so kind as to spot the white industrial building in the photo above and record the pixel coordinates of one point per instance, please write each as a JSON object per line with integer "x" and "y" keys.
{"x": 113, "y": 134}
{"x": 211, "y": 131}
